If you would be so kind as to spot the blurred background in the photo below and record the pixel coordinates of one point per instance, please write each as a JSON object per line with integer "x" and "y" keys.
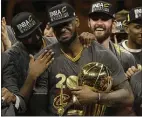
{"x": 38, "y": 8}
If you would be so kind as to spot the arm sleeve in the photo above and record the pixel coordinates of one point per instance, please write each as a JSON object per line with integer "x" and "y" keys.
{"x": 10, "y": 81}
{"x": 20, "y": 104}
{"x": 17, "y": 102}
{"x": 9, "y": 77}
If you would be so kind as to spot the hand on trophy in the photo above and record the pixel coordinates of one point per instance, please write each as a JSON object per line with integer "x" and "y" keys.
{"x": 85, "y": 94}
{"x": 94, "y": 79}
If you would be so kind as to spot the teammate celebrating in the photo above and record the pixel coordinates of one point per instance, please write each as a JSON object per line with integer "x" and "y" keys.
{"x": 101, "y": 23}
{"x": 134, "y": 30}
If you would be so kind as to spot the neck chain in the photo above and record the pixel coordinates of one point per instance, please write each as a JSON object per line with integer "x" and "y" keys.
{"x": 71, "y": 58}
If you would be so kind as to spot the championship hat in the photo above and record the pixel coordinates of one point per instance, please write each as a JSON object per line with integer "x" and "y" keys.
{"x": 134, "y": 14}
{"x": 61, "y": 13}
{"x": 102, "y": 7}
{"x": 23, "y": 24}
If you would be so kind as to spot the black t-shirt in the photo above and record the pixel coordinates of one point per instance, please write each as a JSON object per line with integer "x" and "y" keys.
{"x": 137, "y": 53}
{"x": 136, "y": 83}
{"x": 62, "y": 68}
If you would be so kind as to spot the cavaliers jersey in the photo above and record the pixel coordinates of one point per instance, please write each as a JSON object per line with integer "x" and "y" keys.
{"x": 58, "y": 94}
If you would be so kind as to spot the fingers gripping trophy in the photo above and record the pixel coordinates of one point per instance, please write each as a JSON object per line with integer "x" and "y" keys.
{"x": 97, "y": 77}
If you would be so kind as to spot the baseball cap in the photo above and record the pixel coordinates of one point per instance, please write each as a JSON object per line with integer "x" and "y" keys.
{"x": 134, "y": 14}
{"x": 120, "y": 26}
{"x": 121, "y": 17}
{"x": 23, "y": 24}
{"x": 60, "y": 13}
{"x": 102, "y": 7}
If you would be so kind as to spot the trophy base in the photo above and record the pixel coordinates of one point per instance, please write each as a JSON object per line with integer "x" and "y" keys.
{"x": 75, "y": 113}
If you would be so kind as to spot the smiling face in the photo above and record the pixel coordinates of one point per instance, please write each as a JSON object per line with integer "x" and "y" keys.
{"x": 66, "y": 32}
{"x": 101, "y": 25}
{"x": 134, "y": 31}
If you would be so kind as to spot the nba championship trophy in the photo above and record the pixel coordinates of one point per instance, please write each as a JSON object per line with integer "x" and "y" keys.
{"x": 97, "y": 77}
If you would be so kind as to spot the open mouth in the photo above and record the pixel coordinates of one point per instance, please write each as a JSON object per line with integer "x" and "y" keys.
{"x": 99, "y": 29}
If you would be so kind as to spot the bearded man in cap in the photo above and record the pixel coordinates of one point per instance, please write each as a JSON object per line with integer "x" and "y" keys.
{"x": 27, "y": 31}
{"x": 101, "y": 21}
{"x": 70, "y": 57}
{"x": 133, "y": 28}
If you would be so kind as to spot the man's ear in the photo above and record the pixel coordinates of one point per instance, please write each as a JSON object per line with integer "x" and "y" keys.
{"x": 89, "y": 23}
{"x": 114, "y": 26}
{"x": 126, "y": 28}
{"x": 77, "y": 22}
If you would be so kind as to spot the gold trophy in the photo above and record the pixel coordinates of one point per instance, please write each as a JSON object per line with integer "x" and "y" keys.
{"x": 61, "y": 105}
{"x": 72, "y": 81}
{"x": 97, "y": 77}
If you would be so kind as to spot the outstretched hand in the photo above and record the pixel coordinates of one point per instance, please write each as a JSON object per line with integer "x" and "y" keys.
{"x": 4, "y": 35}
{"x": 38, "y": 66}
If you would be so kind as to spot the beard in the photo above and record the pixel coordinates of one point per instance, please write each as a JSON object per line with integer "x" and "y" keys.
{"x": 69, "y": 40}
{"x": 102, "y": 37}
{"x": 103, "y": 34}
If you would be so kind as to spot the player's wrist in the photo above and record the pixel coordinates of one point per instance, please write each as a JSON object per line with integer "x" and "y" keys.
{"x": 32, "y": 77}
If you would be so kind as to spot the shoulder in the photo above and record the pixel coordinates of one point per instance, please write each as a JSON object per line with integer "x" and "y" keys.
{"x": 125, "y": 53}
{"x": 106, "y": 56}
{"x": 119, "y": 49}
{"x": 17, "y": 51}
{"x": 4, "y": 59}
{"x": 96, "y": 45}
{"x": 16, "y": 48}
{"x": 54, "y": 47}
{"x": 98, "y": 48}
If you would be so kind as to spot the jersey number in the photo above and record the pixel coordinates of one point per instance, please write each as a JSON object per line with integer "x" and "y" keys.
{"x": 70, "y": 81}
